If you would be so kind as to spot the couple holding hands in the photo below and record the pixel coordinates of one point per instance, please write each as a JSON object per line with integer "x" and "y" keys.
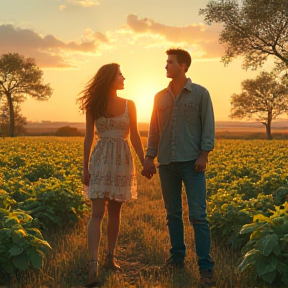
{"x": 181, "y": 135}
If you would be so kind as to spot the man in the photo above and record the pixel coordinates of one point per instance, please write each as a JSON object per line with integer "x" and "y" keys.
{"x": 182, "y": 133}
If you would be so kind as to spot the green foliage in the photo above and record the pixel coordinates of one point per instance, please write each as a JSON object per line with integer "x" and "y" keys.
{"x": 226, "y": 220}
{"x": 39, "y": 171}
{"x": 19, "y": 78}
{"x": 56, "y": 204}
{"x": 266, "y": 97}
{"x": 40, "y": 188}
{"x": 266, "y": 253}
{"x": 253, "y": 29}
{"x": 281, "y": 195}
{"x": 19, "y": 120}
{"x": 243, "y": 180}
{"x": 21, "y": 244}
{"x": 68, "y": 131}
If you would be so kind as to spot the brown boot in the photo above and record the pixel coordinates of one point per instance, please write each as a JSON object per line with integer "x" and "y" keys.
{"x": 111, "y": 263}
{"x": 206, "y": 279}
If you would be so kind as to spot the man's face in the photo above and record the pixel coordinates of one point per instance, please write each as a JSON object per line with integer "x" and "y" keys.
{"x": 173, "y": 68}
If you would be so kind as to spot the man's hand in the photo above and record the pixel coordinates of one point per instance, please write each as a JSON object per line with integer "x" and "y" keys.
{"x": 148, "y": 168}
{"x": 201, "y": 162}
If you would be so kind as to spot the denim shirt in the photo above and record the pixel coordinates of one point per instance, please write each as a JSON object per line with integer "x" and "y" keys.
{"x": 183, "y": 127}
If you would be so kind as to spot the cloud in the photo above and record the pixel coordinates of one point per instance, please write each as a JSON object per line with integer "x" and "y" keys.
{"x": 79, "y": 3}
{"x": 84, "y": 3}
{"x": 200, "y": 38}
{"x": 48, "y": 51}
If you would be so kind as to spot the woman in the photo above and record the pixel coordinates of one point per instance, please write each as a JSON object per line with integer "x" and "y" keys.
{"x": 110, "y": 175}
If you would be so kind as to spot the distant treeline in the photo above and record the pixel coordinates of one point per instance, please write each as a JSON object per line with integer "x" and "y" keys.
{"x": 68, "y": 131}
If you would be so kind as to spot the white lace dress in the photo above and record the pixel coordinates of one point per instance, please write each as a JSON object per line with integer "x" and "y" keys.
{"x": 111, "y": 167}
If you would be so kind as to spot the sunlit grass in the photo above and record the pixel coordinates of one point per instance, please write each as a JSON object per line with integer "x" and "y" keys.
{"x": 143, "y": 246}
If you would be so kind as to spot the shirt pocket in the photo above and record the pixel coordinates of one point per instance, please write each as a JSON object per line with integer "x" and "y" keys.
{"x": 191, "y": 114}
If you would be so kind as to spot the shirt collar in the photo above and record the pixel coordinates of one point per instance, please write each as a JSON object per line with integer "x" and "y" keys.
{"x": 187, "y": 86}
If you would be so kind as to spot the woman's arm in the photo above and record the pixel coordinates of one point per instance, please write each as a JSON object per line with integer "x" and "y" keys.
{"x": 89, "y": 136}
{"x": 134, "y": 133}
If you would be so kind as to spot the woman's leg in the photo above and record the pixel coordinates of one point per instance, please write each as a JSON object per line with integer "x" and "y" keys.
{"x": 114, "y": 211}
{"x": 94, "y": 235}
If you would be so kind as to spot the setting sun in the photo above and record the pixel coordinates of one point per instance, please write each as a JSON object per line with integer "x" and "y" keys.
{"x": 70, "y": 51}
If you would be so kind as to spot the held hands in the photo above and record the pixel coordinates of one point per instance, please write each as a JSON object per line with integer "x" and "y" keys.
{"x": 148, "y": 168}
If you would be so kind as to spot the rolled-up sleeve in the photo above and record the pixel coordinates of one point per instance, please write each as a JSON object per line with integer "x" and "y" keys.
{"x": 207, "y": 122}
{"x": 154, "y": 133}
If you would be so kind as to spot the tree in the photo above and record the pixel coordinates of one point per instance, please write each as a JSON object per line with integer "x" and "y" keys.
{"x": 19, "y": 122}
{"x": 266, "y": 96}
{"x": 20, "y": 78}
{"x": 68, "y": 131}
{"x": 253, "y": 29}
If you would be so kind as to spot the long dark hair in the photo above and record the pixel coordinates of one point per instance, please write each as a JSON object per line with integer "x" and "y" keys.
{"x": 94, "y": 97}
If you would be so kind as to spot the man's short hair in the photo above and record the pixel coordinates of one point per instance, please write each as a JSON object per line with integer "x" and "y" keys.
{"x": 182, "y": 56}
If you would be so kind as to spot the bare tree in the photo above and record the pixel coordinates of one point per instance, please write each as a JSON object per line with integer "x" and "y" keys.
{"x": 265, "y": 97}
{"x": 20, "y": 78}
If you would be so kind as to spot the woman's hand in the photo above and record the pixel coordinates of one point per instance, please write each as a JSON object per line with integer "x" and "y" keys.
{"x": 148, "y": 168}
{"x": 86, "y": 177}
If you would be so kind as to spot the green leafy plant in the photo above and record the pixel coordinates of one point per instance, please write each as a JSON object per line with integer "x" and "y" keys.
{"x": 266, "y": 253}
{"x": 21, "y": 244}
{"x": 281, "y": 195}
{"x": 56, "y": 203}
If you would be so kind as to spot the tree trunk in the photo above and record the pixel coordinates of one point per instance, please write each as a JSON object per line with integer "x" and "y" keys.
{"x": 268, "y": 127}
{"x": 11, "y": 115}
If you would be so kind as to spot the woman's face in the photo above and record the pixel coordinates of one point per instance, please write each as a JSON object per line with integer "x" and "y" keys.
{"x": 118, "y": 83}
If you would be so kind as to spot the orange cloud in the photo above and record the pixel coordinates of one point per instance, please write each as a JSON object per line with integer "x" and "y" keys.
{"x": 48, "y": 50}
{"x": 205, "y": 38}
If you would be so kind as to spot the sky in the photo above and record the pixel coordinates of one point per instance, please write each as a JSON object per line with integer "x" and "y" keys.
{"x": 71, "y": 39}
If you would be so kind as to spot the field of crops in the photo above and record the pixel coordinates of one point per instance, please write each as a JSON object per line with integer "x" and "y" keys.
{"x": 43, "y": 215}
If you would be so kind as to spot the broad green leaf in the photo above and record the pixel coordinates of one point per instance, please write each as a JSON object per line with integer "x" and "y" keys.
{"x": 269, "y": 277}
{"x": 17, "y": 233}
{"x": 9, "y": 267}
{"x": 284, "y": 279}
{"x": 53, "y": 218}
{"x": 261, "y": 218}
{"x": 249, "y": 259}
{"x": 267, "y": 244}
{"x": 10, "y": 222}
{"x": 282, "y": 268}
{"x": 34, "y": 232}
{"x": 22, "y": 261}
{"x": 249, "y": 228}
{"x": 285, "y": 238}
{"x": 36, "y": 258}
{"x": 38, "y": 242}
{"x": 22, "y": 216}
{"x": 15, "y": 250}
{"x": 2, "y": 248}
{"x": 277, "y": 250}
{"x": 266, "y": 265}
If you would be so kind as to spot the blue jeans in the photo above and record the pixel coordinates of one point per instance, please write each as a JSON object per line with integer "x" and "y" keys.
{"x": 171, "y": 177}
